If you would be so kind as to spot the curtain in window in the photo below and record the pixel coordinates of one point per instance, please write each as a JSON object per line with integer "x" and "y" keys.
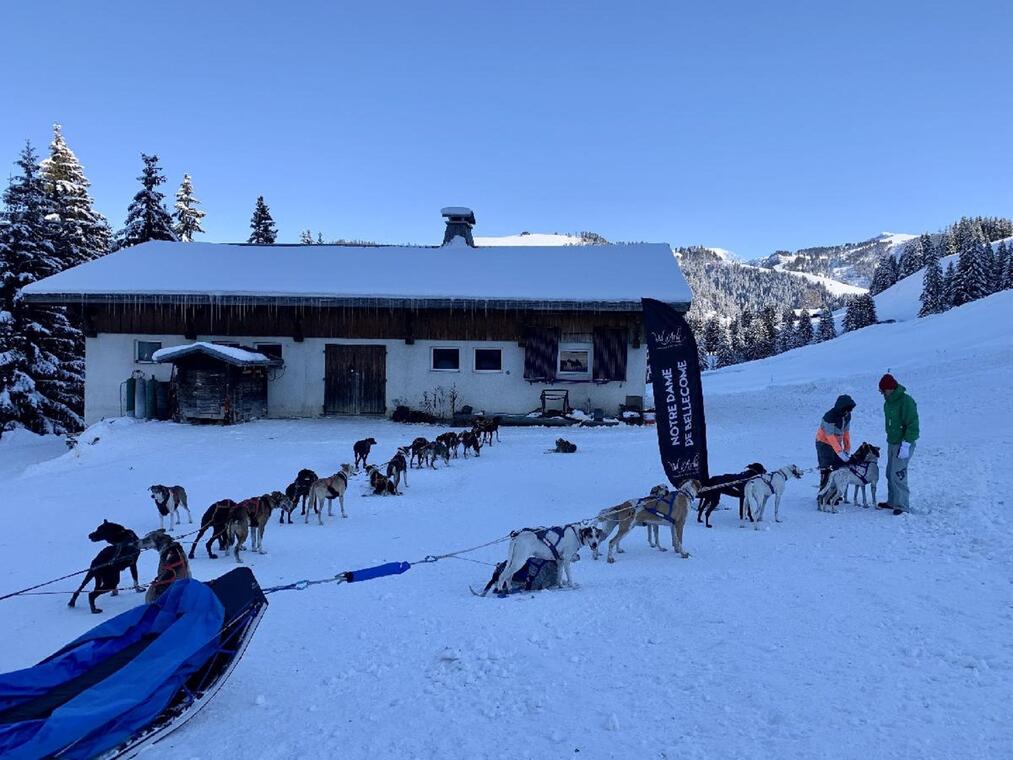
{"x": 609, "y": 354}
{"x": 541, "y": 348}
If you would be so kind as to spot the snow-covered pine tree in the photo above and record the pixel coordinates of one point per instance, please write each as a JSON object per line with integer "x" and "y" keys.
{"x": 83, "y": 233}
{"x": 885, "y": 275}
{"x": 306, "y": 237}
{"x": 787, "y": 338}
{"x": 971, "y": 280}
{"x": 147, "y": 218}
{"x": 932, "y": 285}
{"x": 724, "y": 357}
{"x": 320, "y": 238}
{"x": 912, "y": 259}
{"x": 949, "y": 282}
{"x": 804, "y": 332}
{"x": 1007, "y": 274}
{"x": 735, "y": 341}
{"x": 41, "y": 382}
{"x": 262, "y": 225}
{"x": 861, "y": 312}
{"x": 827, "y": 330}
{"x": 713, "y": 334}
{"x": 186, "y": 213}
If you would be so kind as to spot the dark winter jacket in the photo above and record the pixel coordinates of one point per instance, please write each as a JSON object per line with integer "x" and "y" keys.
{"x": 833, "y": 436}
{"x": 901, "y": 414}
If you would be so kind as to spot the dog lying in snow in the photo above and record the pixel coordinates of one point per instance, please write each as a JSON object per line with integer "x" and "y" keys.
{"x": 329, "y": 489}
{"x": 662, "y": 507}
{"x": 761, "y": 488}
{"x": 168, "y": 500}
{"x": 862, "y": 470}
{"x": 560, "y": 543}
{"x": 382, "y": 485}
{"x": 733, "y": 484}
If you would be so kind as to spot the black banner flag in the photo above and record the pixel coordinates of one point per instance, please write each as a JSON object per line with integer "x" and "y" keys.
{"x": 678, "y": 392}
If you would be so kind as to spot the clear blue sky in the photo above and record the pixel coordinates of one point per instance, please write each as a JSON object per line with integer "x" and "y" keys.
{"x": 747, "y": 125}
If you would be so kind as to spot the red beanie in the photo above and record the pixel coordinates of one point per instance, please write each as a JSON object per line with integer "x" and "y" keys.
{"x": 887, "y": 382}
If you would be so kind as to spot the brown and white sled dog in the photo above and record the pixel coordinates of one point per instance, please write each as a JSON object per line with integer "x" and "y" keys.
{"x": 662, "y": 507}
{"x": 168, "y": 500}
{"x": 762, "y": 487}
{"x": 329, "y": 489}
{"x": 560, "y": 543}
{"x": 172, "y": 562}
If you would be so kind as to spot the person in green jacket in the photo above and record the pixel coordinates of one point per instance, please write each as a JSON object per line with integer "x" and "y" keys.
{"x": 901, "y": 414}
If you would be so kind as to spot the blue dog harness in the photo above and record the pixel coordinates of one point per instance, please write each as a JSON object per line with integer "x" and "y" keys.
{"x": 663, "y": 506}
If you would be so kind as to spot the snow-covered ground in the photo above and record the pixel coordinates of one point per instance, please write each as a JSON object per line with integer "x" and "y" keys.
{"x": 852, "y": 635}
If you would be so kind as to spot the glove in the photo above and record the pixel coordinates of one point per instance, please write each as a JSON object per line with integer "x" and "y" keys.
{"x": 905, "y": 450}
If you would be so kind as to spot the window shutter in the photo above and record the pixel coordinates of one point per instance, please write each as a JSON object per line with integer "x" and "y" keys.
{"x": 609, "y": 354}
{"x": 541, "y": 349}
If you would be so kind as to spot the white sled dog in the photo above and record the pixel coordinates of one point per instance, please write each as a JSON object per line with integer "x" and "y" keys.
{"x": 560, "y": 543}
{"x": 762, "y": 487}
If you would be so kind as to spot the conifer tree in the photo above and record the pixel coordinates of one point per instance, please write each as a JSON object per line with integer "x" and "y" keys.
{"x": 827, "y": 330}
{"x": 263, "y": 230}
{"x": 40, "y": 387}
{"x": 932, "y": 286}
{"x": 187, "y": 215}
{"x": 725, "y": 357}
{"x": 147, "y": 218}
{"x": 971, "y": 280}
{"x": 320, "y": 238}
{"x": 861, "y": 312}
{"x": 787, "y": 338}
{"x": 306, "y": 237}
{"x": 713, "y": 334}
{"x": 804, "y": 332}
{"x": 912, "y": 259}
{"x": 82, "y": 232}
{"x": 949, "y": 282}
{"x": 885, "y": 275}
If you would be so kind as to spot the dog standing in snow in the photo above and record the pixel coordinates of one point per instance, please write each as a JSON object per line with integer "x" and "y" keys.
{"x": 662, "y": 507}
{"x": 762, "y": 487}
{"x": 861, "y": 471}
{"x": 361, "y": 450}
{"x": 559, "y": 543}
{"x": 329, "y": 489}
{"x": 168, "y": 500}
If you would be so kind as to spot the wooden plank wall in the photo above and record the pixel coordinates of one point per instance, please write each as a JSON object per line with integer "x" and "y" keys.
{"x": 336, "y": 322}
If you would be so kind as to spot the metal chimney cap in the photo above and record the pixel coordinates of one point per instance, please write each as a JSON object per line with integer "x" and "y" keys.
{"x": 458, "y": 214}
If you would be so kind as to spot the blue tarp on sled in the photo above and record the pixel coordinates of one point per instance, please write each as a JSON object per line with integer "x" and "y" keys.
{"x": 102, "y": 689}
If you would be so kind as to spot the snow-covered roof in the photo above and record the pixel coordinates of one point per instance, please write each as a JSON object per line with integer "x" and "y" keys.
{"x": 587, "y": 276}
{"x": 228, "y": 354}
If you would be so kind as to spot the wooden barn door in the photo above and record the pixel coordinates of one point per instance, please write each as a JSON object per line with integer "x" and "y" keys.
{"x": 355, "y": 379}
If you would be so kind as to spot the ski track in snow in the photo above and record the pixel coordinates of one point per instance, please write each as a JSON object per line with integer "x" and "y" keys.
{"x": 825, "y": 636}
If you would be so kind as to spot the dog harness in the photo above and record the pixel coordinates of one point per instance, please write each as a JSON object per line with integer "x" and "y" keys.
{"x": 863, "y": 475}
{"x": 169, "y": 572}
{"x": 663, "y": 506}
{"x": 344, "y": 478}
{"x": 551, "y": 537}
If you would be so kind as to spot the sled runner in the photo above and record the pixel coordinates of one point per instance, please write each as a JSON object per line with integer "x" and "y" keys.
{"x": 131, "y": 681}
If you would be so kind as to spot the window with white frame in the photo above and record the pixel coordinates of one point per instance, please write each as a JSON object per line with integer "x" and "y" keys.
{"x": 488, "y": 359}
{"x": 575, "y": 360}
{"x": 144, "y": 350}
{"x": 445, "y": 359}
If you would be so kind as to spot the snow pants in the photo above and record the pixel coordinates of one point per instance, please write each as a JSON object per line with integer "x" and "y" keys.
{"x": 898, "y": 492}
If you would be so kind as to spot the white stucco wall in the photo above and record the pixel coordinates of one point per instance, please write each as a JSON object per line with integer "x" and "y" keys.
{"x": 297, "y": 390}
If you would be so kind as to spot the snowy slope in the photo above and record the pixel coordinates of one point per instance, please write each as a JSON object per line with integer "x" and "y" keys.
{"x": 850, "y": 263}
{"x": 831, "y": 636}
